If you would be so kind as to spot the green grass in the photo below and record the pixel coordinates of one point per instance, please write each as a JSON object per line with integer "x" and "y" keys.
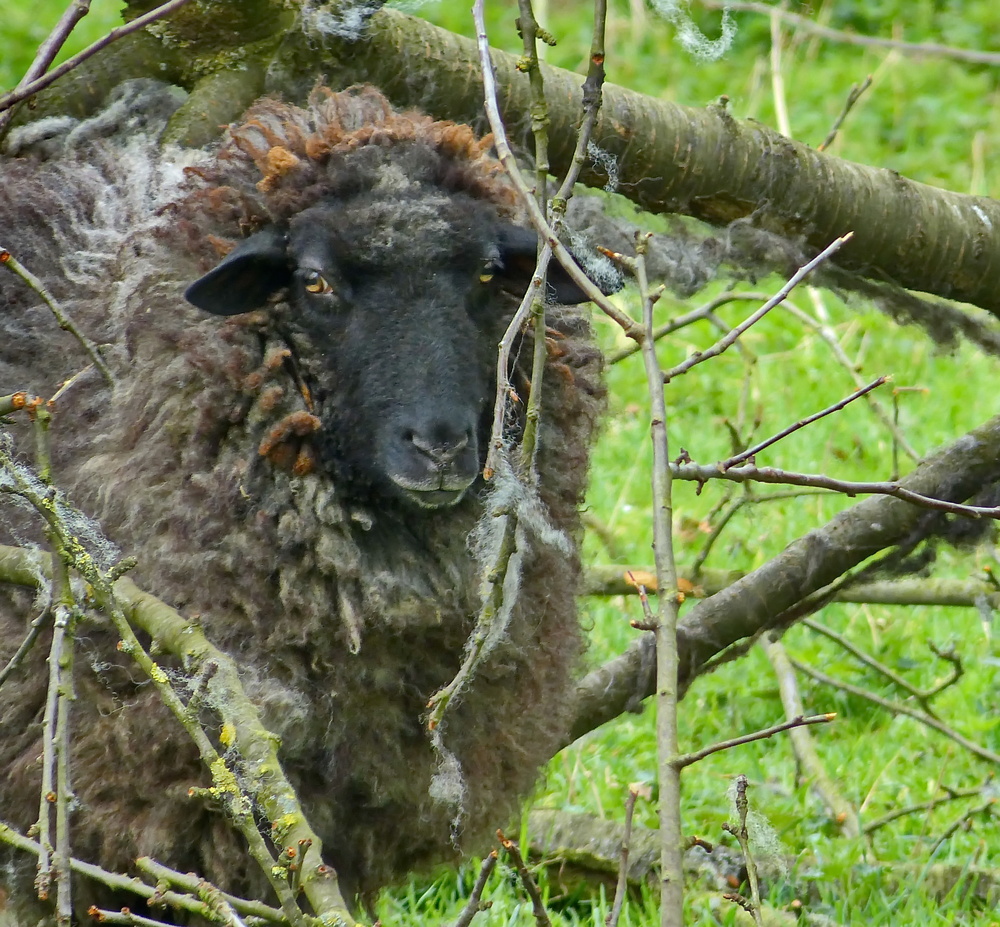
{"x": 931, "y": 119}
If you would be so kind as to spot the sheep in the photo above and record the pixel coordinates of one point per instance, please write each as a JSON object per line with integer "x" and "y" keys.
{"x": 293, "y": 453}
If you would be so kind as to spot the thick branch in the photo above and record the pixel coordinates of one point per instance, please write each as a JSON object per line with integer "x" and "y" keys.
{"x": 808, "y": 564}
{"x": 700, "y": 162}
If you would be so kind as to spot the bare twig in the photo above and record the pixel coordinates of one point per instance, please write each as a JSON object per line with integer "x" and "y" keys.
{"x": 40, "y": 83}
{"x": 739, "y": 831}
{"x": 65, "y": 322}
{"x": 509, "y": 162}
{"x": 704, "y": 311}
{"x": 621, "y": 889}
{"x": 668, "y": 773}
{"x": 923, "y": 696}
{"x": 852, "y": 38}
{"x": 48, "y": 50}
{"x": 527, "y": 880}
{"x": 929, "y": 805}
{"x": 900, "y": 709}
{"x": 702, "y": 473}
{"x": 689, "y": 759}
{"x": 830, "y": 338}
{"x": 725, "y": 343}
{"x": 989, "y": 806}
{"x": 33, "y": 631}
{"x": 475, "y": 904}
{"x": 808, "y": 420}
{"x": 857, "y": 90}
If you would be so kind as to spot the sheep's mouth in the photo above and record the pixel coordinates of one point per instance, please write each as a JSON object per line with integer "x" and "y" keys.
{"x": 438, "y": 492}
{"x": 432, "y": 498}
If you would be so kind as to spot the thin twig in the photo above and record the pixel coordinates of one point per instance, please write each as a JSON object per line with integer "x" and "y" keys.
{"x": 475, "y": 904}
{"x": 852, "y": 38}
{"x": 119, "y": 32}
{"x": 808, "y": 420}
{"x": 923, "y": 696}
{"x": 667, "y": 697}
{"x": 621, "y": 889}
{"x": 527, "y": 880}
{"x": 900, "y": 709}
{"x": 65, "y": 322}
{"x": 506, "y": 157}
{"x": 830, "y": 338}
{"x": 740, "y": 832}
{"x": 857, "y": 91}
{"x": 33, "y": 631}
{"x": 989, "y": 806}
{"x": 725, "y": 343}
{"x": 689, "y": 759}
{"x": 929, "y": 805}
{"x": 688, "y": 318}
{"x": 702, "y": 473}
{"x": 48, "y": 50}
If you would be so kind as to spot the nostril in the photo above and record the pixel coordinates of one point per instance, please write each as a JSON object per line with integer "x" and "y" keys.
{"x": 441, "y": 445}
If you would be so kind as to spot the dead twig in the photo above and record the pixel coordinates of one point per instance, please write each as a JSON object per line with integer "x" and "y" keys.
{"x": 65, "y": 322}
{"x": 808, "y": 420}
{"x": 702, "y": 473}
{"x": 923, "y": 696}
{"x": 740, "y": 832}
{"x": 475, "y": 904}
{"x": 899, "y": 709}
{"x": 857, "y": 91}
{"x": 689, "y": 759}
{"x": 40, "y": 83}
{"x": 852, "y": 38}
{"x": 723, "y": 344}
{"x": 527, "y": 880}
{"x": 621, "y": 889}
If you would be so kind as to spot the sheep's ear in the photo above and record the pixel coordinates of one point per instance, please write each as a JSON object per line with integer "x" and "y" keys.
{"x": 518, "y": 252}
{"x": 253, "y": 271}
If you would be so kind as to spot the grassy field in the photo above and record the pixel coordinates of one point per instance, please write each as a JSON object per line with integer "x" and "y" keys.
{"x": 935, "y": 120}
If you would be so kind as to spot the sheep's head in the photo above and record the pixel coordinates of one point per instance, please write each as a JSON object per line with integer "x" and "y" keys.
{"x": 397, "y": 294}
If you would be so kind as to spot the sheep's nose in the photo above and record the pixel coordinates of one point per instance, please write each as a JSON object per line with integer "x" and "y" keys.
{"x": 441, "y": 445}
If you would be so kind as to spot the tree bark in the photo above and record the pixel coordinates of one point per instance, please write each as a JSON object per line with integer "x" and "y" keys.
{"x": 699, "y": 162}
{"x": 757, "y": 601}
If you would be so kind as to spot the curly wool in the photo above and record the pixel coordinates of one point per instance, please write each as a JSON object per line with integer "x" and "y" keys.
{"x": 345, "y": 616}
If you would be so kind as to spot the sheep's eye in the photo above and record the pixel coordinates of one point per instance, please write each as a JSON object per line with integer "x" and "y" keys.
{"x": 315, "y": 282}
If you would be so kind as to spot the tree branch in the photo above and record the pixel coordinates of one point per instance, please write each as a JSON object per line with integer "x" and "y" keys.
{"x": 807, "y": 565}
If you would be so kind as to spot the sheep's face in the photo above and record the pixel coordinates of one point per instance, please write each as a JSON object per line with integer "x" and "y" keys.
{"x": 397, "y": 303}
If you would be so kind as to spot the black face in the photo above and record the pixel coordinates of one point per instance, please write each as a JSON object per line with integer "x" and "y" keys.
{"x": 399, "y": 305}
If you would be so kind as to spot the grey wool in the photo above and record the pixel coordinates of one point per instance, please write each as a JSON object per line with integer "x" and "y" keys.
{"x": 302, "y": 475}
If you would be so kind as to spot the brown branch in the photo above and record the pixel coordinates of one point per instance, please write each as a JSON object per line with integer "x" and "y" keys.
{"x": 40, "y": 83}
{"x": 807, "y": 565}
{"x": 725, "y": 343}
{"x": 475, "y": 904}
{"x": 47, "y": 51}
{"x": 808, "y": 420}
{"x": 621, "y": 889}
{"x": 689, "y": 759}
{"x": 527, "y": 880}
{"x": 702, "y": 473}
